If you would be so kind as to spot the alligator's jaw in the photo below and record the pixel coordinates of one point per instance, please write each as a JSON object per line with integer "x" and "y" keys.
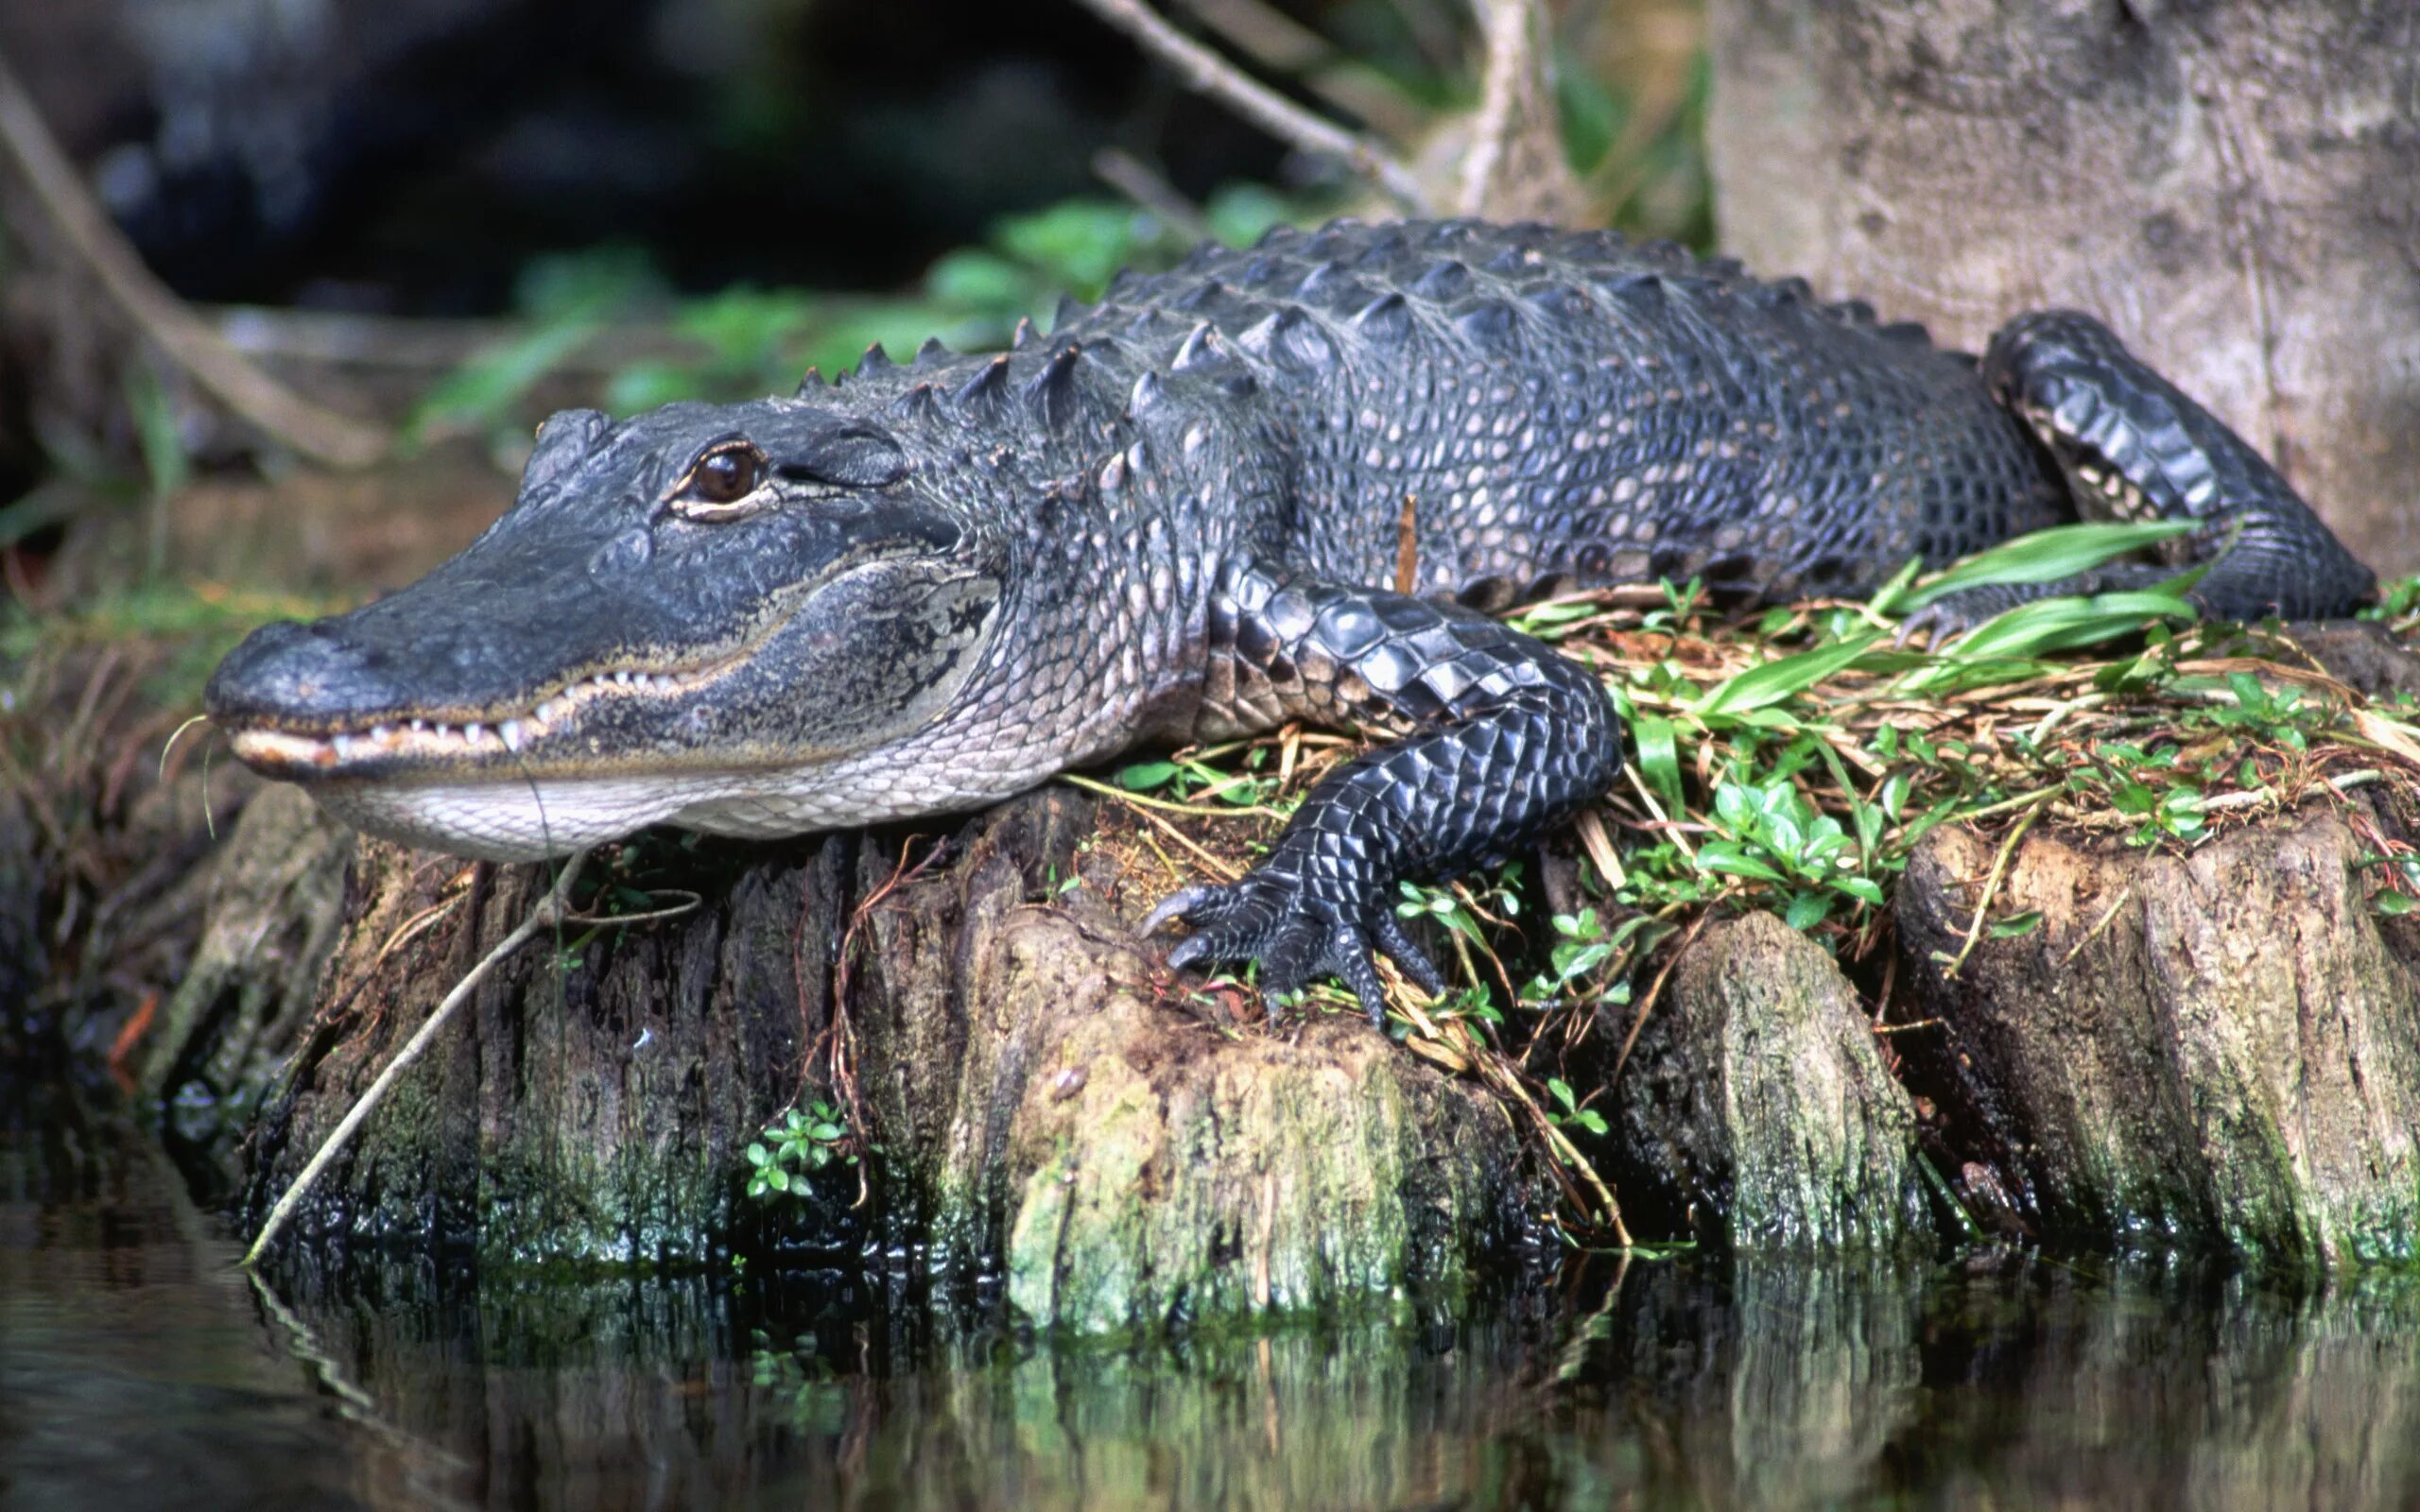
{"x": 531, "y": 817}
{"x": 524, "y": 820}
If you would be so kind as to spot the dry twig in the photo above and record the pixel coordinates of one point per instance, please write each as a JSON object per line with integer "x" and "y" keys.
{"x": 1134, "y": 178}
{"x": 1516, "y": 166}
{"x": 1205, "y": 72}
{"x": 281, "y": 414}
{"x": 549, "y": 911}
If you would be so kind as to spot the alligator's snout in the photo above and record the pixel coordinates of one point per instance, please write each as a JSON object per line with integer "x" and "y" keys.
{"x": 288, "y": 692}
{"x": 294, "y": 675}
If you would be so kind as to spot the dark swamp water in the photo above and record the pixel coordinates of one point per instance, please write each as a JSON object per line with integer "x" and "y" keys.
{"x": 140, "y": 1368}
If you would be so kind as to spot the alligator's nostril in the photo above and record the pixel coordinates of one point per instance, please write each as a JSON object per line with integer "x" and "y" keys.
{"x": 288, "y": 671}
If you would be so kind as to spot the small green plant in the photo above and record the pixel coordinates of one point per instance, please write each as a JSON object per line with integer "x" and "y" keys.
{"x": 1193, "y": 779}
{"x": 1572, "y": 1114}
{"x": 2151, "y": 787}
{"x": 1584, "y": 949}
{"x": 1771, "y": 834}
{"x": 796, "y": 1145}
{"x": 2395, "y": 600}
{"x": 1439, "y": 905}
{"x": 2283, "y": 716}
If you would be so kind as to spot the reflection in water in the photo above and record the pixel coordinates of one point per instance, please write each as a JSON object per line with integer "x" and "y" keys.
{"x": 137, "y": 1368}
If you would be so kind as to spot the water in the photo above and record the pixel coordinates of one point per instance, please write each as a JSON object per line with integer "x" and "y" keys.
{"x": 139, "y": 1368}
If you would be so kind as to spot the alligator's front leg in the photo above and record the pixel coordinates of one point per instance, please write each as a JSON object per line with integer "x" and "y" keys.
{"x": 1499, "y": 737}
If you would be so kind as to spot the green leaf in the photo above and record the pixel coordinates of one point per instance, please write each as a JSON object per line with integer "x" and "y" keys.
{"x": 1143, "y": 776}
{"x": 1727, "y": 858}
{"x": 1734, "y": 807}
{"x": 1591, "y": 116}
{"x": 1659, "y": 758}
{"x": 1561, "y": 1091}
{"x": 1807, "y": 910}
{"x": 756, "y": 1155}
{"x": 2048, "y": 555}
{"x": 2009, "y": 648}
{"x": 1591, "y": 1119}
{"x": 1864, "y": 889}
{"x": 1239, "y": 213}
{"x": 1776, "y": 680}
{"x": 483, "y": 390}
{"x": 2017, "y": 925}
{"x": 2391, "y": 904}
{"x": 2133, "y": 798}
{"x": 977, "y": 279}
{"x": 1076, "y": 242}
{"x": 164, "y": 462}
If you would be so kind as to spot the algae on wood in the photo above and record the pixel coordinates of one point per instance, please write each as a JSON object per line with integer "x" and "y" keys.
{"x": 1756, "y": 1098}
{"x": 1037, "y": 1104}
{"x": 275, "y": 890}
{"x": 2214, "y": 1050}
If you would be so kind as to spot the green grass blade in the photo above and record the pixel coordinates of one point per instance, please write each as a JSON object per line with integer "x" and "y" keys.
{"x": 2009, "y": 647}
{"x": 1769, "y": 683}
{"x": 1659, "y": 758}
{"x": 2046, "y": 556}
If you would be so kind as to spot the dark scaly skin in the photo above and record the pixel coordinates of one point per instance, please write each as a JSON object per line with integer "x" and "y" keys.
{"x": 1499, "y": 739}
{"x": 1166, "y": 520}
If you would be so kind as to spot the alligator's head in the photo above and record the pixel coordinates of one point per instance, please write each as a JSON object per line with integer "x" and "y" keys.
{"x": 674, "y": 605}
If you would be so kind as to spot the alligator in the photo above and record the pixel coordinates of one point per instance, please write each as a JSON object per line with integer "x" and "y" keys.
{"x": 1183, "y": 515}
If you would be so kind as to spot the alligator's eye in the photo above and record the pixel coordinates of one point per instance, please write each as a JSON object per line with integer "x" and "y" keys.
{"x": 719, "y": 479}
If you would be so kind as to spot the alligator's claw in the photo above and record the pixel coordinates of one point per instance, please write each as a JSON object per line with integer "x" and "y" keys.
{"x": 1294, "y": 934}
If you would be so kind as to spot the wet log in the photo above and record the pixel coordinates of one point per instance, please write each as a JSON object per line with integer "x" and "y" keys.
{"x": 1035, "y": 1103}
{"x": 24, "y": 959}
{"x": 2217, "y": 1052}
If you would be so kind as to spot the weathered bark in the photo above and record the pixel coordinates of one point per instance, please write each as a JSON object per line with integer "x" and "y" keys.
{"x": 2234, "y": 185}
{"x": 1757, "y": 1104}
{"x": 1038, "y": 1107}
{"x": 275, "y": 894}
{"x": 2220, "y": 1050}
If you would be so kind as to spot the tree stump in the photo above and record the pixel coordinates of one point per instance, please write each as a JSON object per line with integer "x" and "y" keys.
{"x": 2218, "y": 1051}
{"x": 1039, "y": 1104}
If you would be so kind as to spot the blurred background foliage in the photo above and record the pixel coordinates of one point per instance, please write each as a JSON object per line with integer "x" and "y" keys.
{"x": 456, "y": 214}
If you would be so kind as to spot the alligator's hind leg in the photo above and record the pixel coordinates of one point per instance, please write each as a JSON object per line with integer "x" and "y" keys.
{"x": 1500, "y": 737}
{"x": 2134, "y": 447}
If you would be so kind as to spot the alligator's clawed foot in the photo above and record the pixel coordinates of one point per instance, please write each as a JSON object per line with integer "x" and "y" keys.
{"x": 1953, "y": 617}
{"x": 1296, "y": 935}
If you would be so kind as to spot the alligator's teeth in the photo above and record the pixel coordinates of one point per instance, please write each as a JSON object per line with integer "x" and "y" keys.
{"x": 420, "y": 727}
{"x": 380, "y": 732}
{"x": 640, "y": 679}
{"x": 344, "y": 747}
{"x": 623, "y": 679}
{"x": 510, "y": 730}
{"x": 473, "y": 732}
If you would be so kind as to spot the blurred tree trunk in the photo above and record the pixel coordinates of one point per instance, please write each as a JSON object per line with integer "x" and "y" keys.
{"x": 2234, "y": 185}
